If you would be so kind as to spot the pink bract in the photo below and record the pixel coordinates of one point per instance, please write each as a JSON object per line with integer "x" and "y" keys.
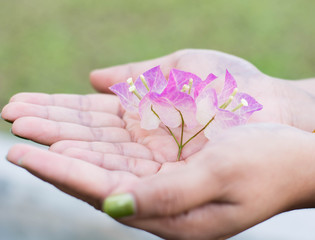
{"x": 155, "y": 80}
{"x": 168, "y": 101}
{"x": 208, "y": 106}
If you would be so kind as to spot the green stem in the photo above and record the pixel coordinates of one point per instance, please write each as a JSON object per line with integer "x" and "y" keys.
{"x": 199, "y": 131}
{"x": 172, "y": 135}
{"x": 180, "y": 147}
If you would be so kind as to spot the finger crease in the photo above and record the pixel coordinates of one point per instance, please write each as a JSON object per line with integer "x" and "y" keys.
{"x": 97, "y": 133}
{"x": 85, "y": 118}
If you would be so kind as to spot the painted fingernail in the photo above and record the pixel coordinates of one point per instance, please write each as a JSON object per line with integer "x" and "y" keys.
{"x": 121, "y": 205}
{"x": 18, "y": 162}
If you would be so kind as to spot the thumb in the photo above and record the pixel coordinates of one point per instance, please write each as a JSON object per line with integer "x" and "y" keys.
{"x": 166, "y": 194}
{"x": 102, "y": 79}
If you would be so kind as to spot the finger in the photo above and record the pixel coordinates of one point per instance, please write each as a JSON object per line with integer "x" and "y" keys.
{"x": 77, "y": 176}
{"x": 48, "y": 132}
{"x": 210, "y": 221}
{"x": 137, "y": 166}
{"x": 170, "y": 192}
{"x": 16, "y": 110}
{"x": 91, "y": 102}
{"x": 129, "y": 149}
{"x": 102, "y": 79}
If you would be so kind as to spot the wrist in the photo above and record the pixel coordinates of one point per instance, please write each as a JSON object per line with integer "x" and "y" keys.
{"x": 303, "y": 175}
{"x": 299, "y": 106}
{"x": 307, "y": 85}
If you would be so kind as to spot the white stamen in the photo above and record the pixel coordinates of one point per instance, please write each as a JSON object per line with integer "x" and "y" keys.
{"x": 227, "y": 103}
{"x": 132, "y": 88}
{"x": 234, "y": 92}
{"x": 129, "y": 81}
{"x": 244, "y": 102}
{"x": 144, "y": 82}
{"x": 185, "y": 88}
{"x": 190, "y": 84}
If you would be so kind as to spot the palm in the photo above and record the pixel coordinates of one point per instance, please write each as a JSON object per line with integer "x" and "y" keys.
{"x": 94, "y": 129}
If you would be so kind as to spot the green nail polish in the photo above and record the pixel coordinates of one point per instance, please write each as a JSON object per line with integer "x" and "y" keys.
{"x": 121, "y": 205}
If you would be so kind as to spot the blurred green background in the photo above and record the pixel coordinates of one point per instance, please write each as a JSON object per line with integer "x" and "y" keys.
{"x": 51, "y": 46}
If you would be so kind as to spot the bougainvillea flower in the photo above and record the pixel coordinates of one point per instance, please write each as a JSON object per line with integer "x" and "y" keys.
{"x": 175, "y": 102}
{"x": 179, "y": 79}
{"x": 185, "y": 100}
{"x": 228, "y": 109}
{"x": 155, "y": 81}
{"x": 172, "y": 106}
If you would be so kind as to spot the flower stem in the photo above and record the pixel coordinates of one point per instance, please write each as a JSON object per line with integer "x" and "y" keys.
{"x": 180, "y": 146}
{"x": 172, "y": 135}
{"x": 199, "y": 131}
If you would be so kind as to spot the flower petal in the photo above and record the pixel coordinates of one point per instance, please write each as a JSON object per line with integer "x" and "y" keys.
{"x": 179, "y": 78}
{"x": 206, "y": 105}
{"x": 149, "y": 120}
{"x": 228, "y": 88}
{"x": 204, "y": 84}
{"x": 246, "y": 111}
{"x": 128, "y": 100}
{"x": 169, "y": 104}
{"x": 222, "y": 120}
{"x": 155, "y": 80}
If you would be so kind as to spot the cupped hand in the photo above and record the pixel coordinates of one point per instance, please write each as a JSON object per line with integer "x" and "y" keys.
{"x": 104, "y": 150}
{"x": 284, "y": 101}
{"x": 95, "y": 146}
{"x": 51, "y": 118}
{"x": 94, "y": 128}
{"x": 247, "y": 175}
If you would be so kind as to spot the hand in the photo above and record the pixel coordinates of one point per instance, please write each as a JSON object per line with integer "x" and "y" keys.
{"x": 48, "y": 119}
{"x": 93, "y": 127}
{"x": 95, "y": 130}
{"x": 283, "y": 103}
{"x": 286, "y": 102}
{"x": 249, "y": 174}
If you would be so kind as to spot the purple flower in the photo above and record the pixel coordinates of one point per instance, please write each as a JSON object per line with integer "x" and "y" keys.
{"x": 185, "y": 100}
{"x": 181, "y": 80}
{"x": 154, "y": 82}
{"x": 230, "y": 108}
{"x": 156, "y": 100}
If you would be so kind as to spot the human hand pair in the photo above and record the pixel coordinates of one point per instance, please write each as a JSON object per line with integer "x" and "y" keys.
{"x": 100, "y": 143}
{"x": 249, "y": 174}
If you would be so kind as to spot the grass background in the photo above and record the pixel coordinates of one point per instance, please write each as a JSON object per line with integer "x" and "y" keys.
{"x": 51, "y": 46}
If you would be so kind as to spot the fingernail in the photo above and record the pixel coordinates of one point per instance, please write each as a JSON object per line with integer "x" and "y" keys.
{"x": 121, "y": 205}
{"x": 19, "y": 162}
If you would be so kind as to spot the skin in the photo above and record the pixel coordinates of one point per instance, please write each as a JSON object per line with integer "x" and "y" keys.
{"x": 97, "y": 149}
